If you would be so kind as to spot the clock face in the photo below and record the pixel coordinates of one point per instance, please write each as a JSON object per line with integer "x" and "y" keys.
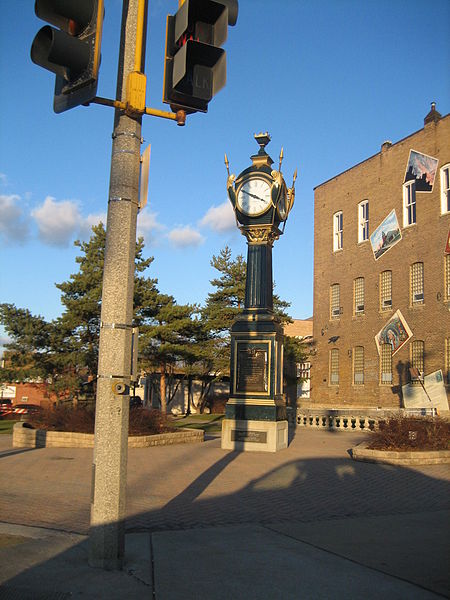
{"x": 254, "y": 196}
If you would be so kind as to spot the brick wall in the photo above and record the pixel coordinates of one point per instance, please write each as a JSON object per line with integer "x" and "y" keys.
{"x": 380, "y": 180}
{"x": 32, "y": 393}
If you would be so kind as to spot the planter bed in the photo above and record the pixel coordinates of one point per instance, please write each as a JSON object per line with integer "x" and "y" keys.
{"x": 25, "y": 437}
{"x": 400, "y": 457}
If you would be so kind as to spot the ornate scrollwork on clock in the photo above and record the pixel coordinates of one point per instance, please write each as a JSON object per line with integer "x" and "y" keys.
{"x": 261, "y": 235}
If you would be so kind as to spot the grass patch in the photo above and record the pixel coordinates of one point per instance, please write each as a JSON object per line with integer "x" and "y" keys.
{"x": 7, "y": 426}
{"x": 209, "y": 423}
{"x": 411, "y": 433}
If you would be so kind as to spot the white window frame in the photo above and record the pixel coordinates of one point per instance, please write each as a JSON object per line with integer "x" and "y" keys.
{"x": 338, "y": 231}
{"x": 409, "y": 204}
{"x": 363, "y": 221}
{"x": 445, "y": 189}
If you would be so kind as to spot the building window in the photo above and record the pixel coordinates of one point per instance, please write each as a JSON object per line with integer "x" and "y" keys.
{"x": 386, "y": 290}
{"x": 417, "y": 360}
{"x": 416, "y": 276}
{"x": 334, "y": 366}
{"x": 445, "y": 189}
{"x": 338, "y": 231}
{"x": 409, "y": 203}
{"x": 447, "y": 360}
{"x": 358, "y": 296}
{"x": 363, "y": 221}
{"x": 335, "y": 300}
{"x": 447, "y": 276}
{"x": 358, "y": 365}
{"x": 386, "y": 364}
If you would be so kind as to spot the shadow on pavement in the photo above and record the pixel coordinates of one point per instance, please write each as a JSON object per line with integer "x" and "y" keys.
{"x": 390, "y": 519}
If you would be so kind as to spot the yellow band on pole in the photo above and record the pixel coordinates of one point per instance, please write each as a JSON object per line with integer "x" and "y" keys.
{"x": 139, "y": 35}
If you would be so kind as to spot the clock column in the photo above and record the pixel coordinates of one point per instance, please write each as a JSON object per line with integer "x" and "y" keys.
{"x": 259, "y": 287}
{"x": 255, "y": 414}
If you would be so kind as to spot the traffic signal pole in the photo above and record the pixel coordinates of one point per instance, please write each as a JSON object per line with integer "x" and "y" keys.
{"x": 109, "y": 469}
{"x": 194, "y": 71}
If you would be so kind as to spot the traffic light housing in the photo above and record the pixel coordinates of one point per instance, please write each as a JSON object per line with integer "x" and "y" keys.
{"x": 72, "y": 51}
{"x": 195, "y": 65}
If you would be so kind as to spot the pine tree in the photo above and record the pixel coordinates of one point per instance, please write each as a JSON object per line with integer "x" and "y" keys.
{"x": 169, "y": 340}
{"x": 64, "y": 351}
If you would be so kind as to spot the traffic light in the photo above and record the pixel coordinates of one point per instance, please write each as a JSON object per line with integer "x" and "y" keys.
{"x": 72, "y": 52}
{"x": 195, "y": 65}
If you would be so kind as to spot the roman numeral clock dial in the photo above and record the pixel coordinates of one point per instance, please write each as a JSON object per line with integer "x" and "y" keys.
{"x": 254, "y": 196}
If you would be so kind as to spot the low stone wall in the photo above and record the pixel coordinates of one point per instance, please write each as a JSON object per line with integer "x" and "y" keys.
{"x": 408, "y": 457}
{"x": 25, "y": 437}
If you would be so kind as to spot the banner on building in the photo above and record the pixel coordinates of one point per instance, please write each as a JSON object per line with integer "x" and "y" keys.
{"x": 430, "y": 394}
{"x": 395, "y": 333}
{"x": 421, "y": 168}
{"x": 386, "y": 235}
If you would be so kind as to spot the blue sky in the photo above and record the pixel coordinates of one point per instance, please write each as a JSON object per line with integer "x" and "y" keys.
{"x": 329, "y": 79}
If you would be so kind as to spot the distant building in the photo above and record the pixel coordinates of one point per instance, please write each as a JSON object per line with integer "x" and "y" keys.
{"x": 382, "y": 273}
{"x": 301, "y": 329}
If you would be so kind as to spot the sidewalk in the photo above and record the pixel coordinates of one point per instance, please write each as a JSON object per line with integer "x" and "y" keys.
{"x": 306, "y": 522}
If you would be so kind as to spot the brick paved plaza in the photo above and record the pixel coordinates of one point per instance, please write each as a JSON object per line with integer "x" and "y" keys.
{"x": 199, "y": 485}
{"x": 304, "y": 522}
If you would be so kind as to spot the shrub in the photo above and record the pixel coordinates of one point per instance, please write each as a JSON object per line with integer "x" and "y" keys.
{"x": 411, "y": 433}
{"x": 146, "y": 422}
{"x": 64, "y": 418}
{"x": 82, "y": 420}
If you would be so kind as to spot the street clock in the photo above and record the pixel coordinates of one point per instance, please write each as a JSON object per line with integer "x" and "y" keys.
{"x": 259, "y": 194}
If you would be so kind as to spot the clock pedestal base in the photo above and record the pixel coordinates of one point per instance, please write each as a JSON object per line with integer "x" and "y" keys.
{"x": 255, "y": 414}
{"x": 254, "y": 436}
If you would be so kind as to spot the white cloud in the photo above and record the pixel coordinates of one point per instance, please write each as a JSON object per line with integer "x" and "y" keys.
{"x": 220, "y": 218}
{"x": 3, "y": 179}
{"x": 13, "y": 224}
{"x": 58, "y": 222}
{"x": 148, "y": 226}
{"x": 182, "y": 237}
{"x": 87, "y": 223}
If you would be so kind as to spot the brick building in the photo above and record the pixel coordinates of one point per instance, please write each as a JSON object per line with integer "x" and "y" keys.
{"x": 382, "y": 273}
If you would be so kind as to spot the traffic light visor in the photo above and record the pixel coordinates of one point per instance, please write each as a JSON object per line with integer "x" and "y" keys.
{"x": 59, "y": 52}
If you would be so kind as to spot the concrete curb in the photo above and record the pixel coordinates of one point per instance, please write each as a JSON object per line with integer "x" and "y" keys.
{"x": 25, "y": 437}
{"x": 430, "y": 457}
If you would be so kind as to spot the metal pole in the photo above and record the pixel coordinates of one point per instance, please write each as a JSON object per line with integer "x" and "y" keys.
{"x": 109, "y": 470}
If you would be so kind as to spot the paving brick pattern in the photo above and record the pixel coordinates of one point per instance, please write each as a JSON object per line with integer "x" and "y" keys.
{"x": 200, "y": 485}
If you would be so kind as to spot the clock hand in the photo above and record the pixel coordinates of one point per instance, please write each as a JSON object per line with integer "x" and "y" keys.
{"x": 253, "y": 195}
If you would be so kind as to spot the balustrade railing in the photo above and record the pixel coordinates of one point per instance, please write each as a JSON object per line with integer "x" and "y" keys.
{"x": 346, "y": 421}
{"x": 341, "y": 422}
